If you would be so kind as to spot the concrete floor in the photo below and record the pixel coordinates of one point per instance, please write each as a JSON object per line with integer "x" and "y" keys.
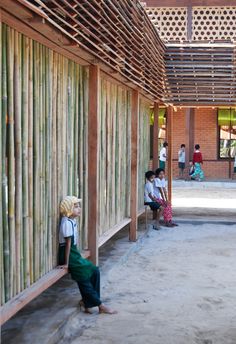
{"x": 173, "y": 286}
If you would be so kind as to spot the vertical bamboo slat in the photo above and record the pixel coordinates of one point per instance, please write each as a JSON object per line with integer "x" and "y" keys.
{"x": 4, "y": 102}
{"x": 2, "y": 288}
{"x": 36, "y": 162}
{"x": 30, "y": 160}
{"x": 25, "y": 167}
{"x": 18, "y": 162}
{"x": 11, "y": 159}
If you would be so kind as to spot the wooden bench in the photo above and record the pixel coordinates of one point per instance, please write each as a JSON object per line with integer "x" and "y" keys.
{"x": 20, "y": 300}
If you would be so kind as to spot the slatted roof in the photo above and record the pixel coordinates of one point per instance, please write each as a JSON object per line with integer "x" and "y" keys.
{"x": 201, "y": 73}
{"x": 117, "y": 33}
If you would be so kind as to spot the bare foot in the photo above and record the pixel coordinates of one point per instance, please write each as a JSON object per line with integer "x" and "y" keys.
{"x": 82, "y": 306}
{"x": 106, "y": 310}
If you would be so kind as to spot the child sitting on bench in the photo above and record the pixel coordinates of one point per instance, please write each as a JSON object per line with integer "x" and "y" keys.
{"x": 151, "y": 200}
{"x": 161, "y": 195}
{"x": 82, "y": 270}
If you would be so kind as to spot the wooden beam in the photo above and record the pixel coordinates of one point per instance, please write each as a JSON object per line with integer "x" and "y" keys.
{"x": 170, "y": 150}
{"x": 49, "y": 41}
{"x": 22, "y": 299}
{"x": 134, "y": 166}
{"x": 112, "y": 231}
{"x": 94, "y": 80}
{"x": 155, "y": 136}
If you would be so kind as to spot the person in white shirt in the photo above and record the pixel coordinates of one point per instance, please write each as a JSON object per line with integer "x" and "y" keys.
{"x": 151, "y": 200}
{"x": 181, "y": 160}
{"x": 160, "y": 192}
{"x": 163, "y": 156}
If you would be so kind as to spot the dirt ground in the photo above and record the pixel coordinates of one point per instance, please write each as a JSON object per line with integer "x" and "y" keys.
{"x": 178, "y": 288}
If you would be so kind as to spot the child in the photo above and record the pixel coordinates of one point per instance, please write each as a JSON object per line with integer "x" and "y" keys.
{"x": 163, "y": 156}
{"x": 198, "y": 161}
{"x": 181, "y": 160}
{"x": 191, "y": 170}
{"x": 82, "y": 270}
{"x": 150, "y": 199}
{"x": 160, "y": 193}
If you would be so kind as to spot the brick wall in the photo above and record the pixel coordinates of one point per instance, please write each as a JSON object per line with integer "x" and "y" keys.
{"x": 205, "y": 134}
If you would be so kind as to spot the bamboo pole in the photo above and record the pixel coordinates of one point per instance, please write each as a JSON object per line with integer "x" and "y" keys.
{"x": 2, "y": 157}
{"x": 11, "y": 160}
{"x": 4, "y": 102}
{"x": 42, "y": 160}
{"x": 30, "y": 161}
{"x": 49, "y": 160}
{"x": 36, "y": 165}
{"x": 25, "y": 167}
{"x": 54, "y": 157}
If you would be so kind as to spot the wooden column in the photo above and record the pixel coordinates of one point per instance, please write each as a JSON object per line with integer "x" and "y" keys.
{"x": 155, "y": 136}
{"x": 189, "y": 135}
{"x": 170, "y": 150}
{"x": 134, "y": 166}
{"x": 94, "y": 76}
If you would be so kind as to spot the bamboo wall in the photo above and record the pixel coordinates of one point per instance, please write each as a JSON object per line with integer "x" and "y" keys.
{"x": 144, "y": 148}
{"x": 43, "y": 151}
{"x": 44, "y": 155}
{"x": 114, "y": 155}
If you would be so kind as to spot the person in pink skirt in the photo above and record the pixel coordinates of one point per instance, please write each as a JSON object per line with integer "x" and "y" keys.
{"x": 160, "y": 193}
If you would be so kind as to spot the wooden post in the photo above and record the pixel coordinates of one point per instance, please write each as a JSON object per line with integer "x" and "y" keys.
{"x": 189, "y": 135}
{"x": 170, "y": 150}
{"x": 134, "y": 166}
{"x": 94, "y": 79}
{"x": 155, "y": 136}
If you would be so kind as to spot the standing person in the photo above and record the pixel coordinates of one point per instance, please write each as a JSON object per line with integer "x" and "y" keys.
{"x": 181, "y": 161}
{"x": 151, "y": 200}
{"x": 198, "y": 162}
{"x": 163, "y": 156}
{"x": 161, "y": 194}
{"x": 82, "y": 270}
